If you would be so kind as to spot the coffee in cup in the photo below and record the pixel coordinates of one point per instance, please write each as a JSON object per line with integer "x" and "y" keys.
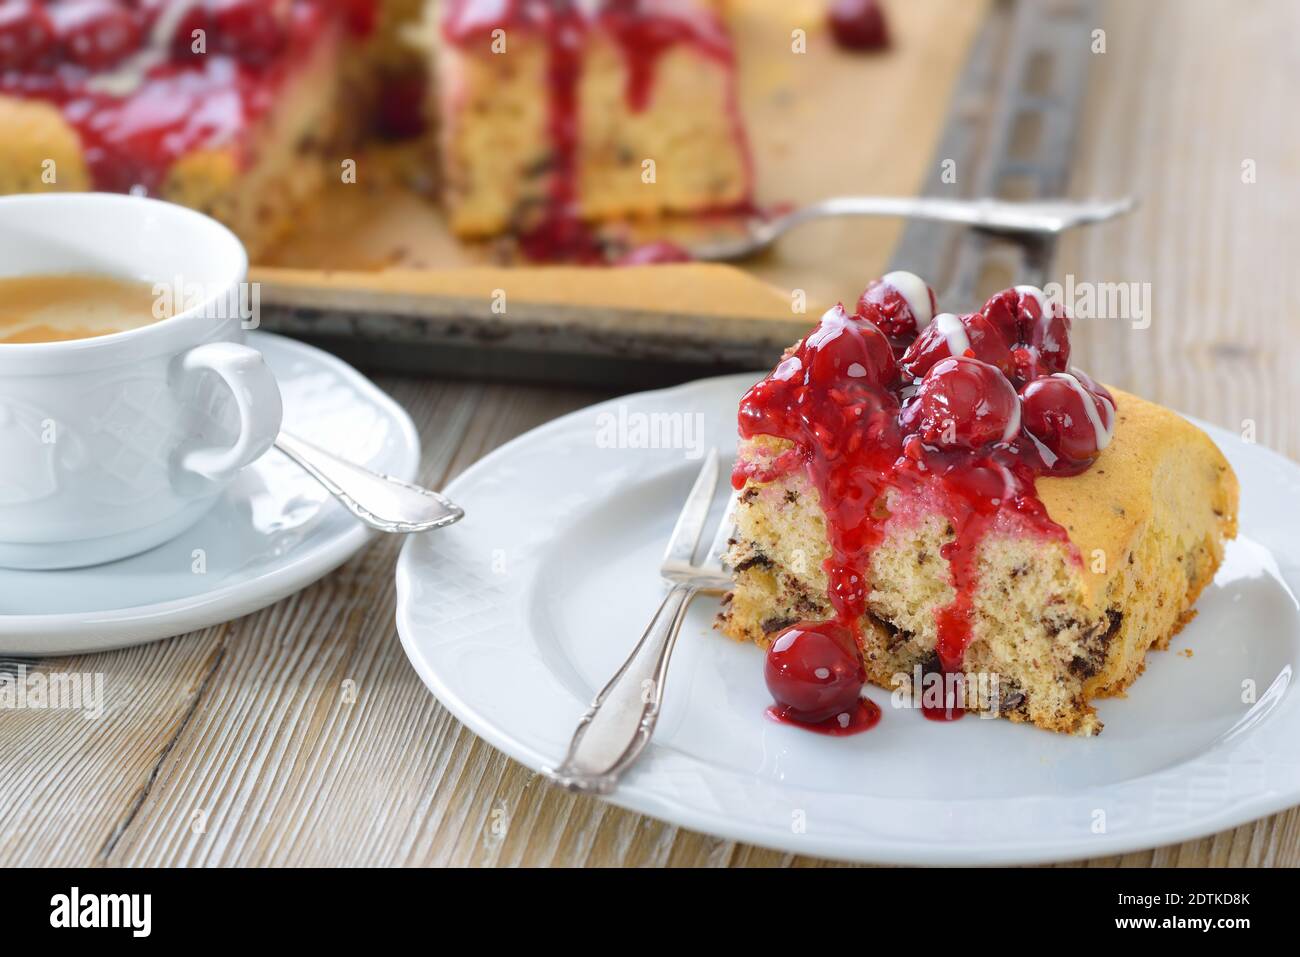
{"x": 59, "y": 307}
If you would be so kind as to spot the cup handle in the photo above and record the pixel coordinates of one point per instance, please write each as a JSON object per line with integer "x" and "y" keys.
{"x": 257, "y": 397}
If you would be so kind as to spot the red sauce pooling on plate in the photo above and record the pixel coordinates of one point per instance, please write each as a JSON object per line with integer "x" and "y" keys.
{"x": 968, "y": 410}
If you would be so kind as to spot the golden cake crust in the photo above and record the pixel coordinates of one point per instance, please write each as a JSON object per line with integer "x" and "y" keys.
{"x": 1105, "y": 508}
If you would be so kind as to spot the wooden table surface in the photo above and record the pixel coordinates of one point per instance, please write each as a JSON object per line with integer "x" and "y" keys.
{"x": 240, "y": 744}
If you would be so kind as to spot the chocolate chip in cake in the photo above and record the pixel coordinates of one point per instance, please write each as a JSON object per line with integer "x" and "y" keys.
{"x": 757, "y": 559}
{"x": 777, "y": 624}
{"x": 1012, "y": 700}
{"x": 1083, "y": 667}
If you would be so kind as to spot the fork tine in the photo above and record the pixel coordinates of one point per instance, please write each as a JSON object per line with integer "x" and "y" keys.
{"x": 722, "y": 537}
{"x": 690, "y": 523}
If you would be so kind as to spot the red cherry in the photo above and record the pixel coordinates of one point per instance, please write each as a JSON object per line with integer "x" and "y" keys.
{"x": 814, "y": 670}
{"x": 846, "y": 349}
{"x": 26, "y": 34}
{"x": 1049, "y": 337}
{"x": 250, "y": 30}
{"x": 887, "y": 305}
{"x": 859, "y": 25}
{"x": 198, "y": 20}
{"x": 362, "y": 16}
{"x": 1093, "y": 386}
{"x": 1056, "y": 411}
{"x": 1039, "y": 340}
{"x": 966, "y": 403}
{"x": 1003, "y": 312}
{"x": 974, "y": 335}
{"x": 97, "y": 34}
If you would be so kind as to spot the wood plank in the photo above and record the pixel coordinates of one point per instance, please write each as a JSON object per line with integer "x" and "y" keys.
{"x": 279, "y": 762}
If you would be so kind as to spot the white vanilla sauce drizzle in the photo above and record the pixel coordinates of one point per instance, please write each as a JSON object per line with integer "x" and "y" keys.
{"x": 1103, "y": 431}
{"x": 914, "y": 292}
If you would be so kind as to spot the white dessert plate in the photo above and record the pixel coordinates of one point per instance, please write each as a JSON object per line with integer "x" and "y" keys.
{"x": 518, "y": 615}
{"x": 273, "y": 531}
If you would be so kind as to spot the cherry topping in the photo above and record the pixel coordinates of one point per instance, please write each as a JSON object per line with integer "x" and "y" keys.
{"x": 1073, "y": 421}
{"x": 196, "y": 21}
{"x": 1003, "y": 312}
{"x": 888, "y": 306}
{"x": 97, "y": 34}
{"x": 859, "y": 25}
{"x": 1037, "y": 331}
{"x": 815, "y": 673}
{"x": 966, "y": 403}
{"x": 845, "y": 348}
{"x": 1048, "y": 337}
{"x": 26, "y": 34}
{"x": 251, "y": 30}
{"x": 950, "y": 336}
{"x": 362, "y": 16}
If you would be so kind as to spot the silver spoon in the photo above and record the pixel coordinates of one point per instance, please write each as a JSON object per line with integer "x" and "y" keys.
{"x": 380, "y": 501}
{"x": 1035, "y": 218}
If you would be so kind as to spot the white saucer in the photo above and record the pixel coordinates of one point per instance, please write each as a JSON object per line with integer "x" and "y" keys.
{"x": 516, "y": 616}
{"x": 274, "y": 531}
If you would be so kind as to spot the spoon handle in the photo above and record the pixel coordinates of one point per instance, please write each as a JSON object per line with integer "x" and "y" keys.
{"x": 380, "y": 501}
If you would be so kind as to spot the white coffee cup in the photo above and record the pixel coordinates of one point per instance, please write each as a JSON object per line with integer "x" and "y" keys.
{"x": 114, "y": 444}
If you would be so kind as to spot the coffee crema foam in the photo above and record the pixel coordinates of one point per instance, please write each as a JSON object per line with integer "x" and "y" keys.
{"x": 57, "y": 308}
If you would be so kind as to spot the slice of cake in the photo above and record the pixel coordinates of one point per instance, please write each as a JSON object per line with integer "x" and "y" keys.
{"x": 561, "y": 111}
{"x": 945, "y": 496}
{"x": 222, "y": 105}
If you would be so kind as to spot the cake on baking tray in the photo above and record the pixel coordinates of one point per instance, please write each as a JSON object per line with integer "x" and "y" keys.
{"x": 551, "y": 113}
{"x": 927, "y": 493}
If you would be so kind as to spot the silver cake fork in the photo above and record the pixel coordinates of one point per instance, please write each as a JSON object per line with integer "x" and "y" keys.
{"x": 619, "y": 723}
{"x": 1040, "y": 218}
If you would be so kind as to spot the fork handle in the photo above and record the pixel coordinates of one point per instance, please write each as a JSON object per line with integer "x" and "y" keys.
{"x": 1046, "y": 216}
{"x": 619, "y": 723}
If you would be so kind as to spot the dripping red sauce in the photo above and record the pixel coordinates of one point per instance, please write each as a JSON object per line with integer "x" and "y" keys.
{"x": 185, "y": 102}
{"x": 858, "y": 397}
{"x": 952, "y": 691}
{"x": 644, "y": 30}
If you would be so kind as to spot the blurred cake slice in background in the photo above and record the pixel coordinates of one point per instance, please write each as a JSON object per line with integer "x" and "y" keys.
{"x": 562, "y": 111}
{"x": 221, "y": 105}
